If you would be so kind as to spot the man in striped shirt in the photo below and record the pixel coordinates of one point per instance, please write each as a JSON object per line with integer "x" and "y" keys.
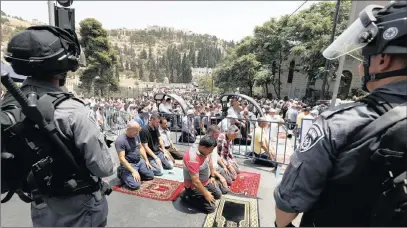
{"x": 225, "y": 150}
{"x": 199, "y": 176}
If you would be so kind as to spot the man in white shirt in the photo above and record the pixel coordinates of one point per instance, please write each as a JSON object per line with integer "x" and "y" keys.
{"x": 291, "y": 116}
{"x": 188, "y": 128}
{"x": 226, "y": 122}
{"x": 167, "y": 141}
{"x": 165, "y": 108}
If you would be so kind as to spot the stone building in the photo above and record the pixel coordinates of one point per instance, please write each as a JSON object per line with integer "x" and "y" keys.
{"x": 200, "y": 72}
{"x": 294, "y": 83}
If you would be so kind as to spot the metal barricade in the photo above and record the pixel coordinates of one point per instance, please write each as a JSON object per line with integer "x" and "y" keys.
{"x": 281, "y": 137}
{"x": 114, "y": 121}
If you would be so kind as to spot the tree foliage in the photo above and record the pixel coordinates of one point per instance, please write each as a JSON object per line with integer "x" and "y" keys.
{"x": 100, "y": 57}
{"x": 166, "y": 49}
{"x": 302, "y": 36}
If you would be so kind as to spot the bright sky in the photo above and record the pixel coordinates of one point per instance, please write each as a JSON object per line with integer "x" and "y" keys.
{"x": 227, "y": 20}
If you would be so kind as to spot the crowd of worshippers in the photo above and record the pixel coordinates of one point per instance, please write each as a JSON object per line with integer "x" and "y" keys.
{"x": 209, "y": 167}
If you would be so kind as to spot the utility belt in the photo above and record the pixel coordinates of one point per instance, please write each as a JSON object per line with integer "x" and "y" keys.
{"x": 42, "y": 181}
{"x": 98, "y": 190}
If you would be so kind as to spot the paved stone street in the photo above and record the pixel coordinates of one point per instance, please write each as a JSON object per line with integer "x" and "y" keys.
{"x": 127, "y": 210}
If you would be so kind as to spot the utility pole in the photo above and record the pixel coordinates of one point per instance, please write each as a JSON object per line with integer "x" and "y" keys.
{"x": 327, "y": 63}
{"x": 279, "y": 75}
{"x": 51, "y": 13}
{"x": 357, "y": 7}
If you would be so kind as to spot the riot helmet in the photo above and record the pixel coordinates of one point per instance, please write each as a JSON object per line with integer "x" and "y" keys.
{"x": 378, "y": 30}
{"x": 44, "y": 52}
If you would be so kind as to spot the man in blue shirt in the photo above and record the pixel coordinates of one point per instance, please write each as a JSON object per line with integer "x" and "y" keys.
{"x": 133, "y": 159}
{"x": 142, "y": 117}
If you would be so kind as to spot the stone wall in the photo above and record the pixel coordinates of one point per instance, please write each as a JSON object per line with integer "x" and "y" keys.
{"x": 297, "y": 88}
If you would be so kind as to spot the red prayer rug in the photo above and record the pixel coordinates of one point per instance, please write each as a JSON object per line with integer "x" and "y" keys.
{"x": 246, "y": 183}
{"x": 157, "y": 189}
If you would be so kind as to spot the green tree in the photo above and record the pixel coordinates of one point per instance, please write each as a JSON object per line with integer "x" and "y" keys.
{"x": 302, "y": 36}
{"x": 100, "y": 57}
{"x": 143, "y": 54}
{"x": 141, "y": 74}
{"x": 136, "y": 74}
{"x": 263, "y": 78}
{"x": 186, "y": 74}
{"x": 312, "y": 28}
{"x": 191, "y": 56}
{"x": 238, "y": 72}
{"x": 150, "y": 53}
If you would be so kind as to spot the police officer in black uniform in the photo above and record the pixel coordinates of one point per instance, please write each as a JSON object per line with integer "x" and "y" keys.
{"x": 45, "y": 54}
{"x": 336, "y": 176}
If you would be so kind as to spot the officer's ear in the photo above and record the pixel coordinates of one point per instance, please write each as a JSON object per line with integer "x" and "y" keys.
{"x": 384, "y": 62}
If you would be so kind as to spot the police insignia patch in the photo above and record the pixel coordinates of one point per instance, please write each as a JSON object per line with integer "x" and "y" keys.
{"x": 313, "y": 135}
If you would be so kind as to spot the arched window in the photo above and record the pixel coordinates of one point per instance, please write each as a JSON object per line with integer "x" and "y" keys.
{"x": 291, "y": 72}
{"x": 344, "y": 85}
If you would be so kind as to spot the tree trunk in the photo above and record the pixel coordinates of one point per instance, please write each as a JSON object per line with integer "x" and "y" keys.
{"x": 267, "y": 89}
{"x": 279, "y": 75}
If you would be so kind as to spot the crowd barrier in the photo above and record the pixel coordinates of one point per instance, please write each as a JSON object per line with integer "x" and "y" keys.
{"x": 282, "y": 138}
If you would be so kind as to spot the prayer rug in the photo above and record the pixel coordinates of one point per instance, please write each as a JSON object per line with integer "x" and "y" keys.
{"x": 157, "y": 189}
{"x": 234, "y": 211}
{"x": 175, "y": 174}
{"x": 246, "y": 183}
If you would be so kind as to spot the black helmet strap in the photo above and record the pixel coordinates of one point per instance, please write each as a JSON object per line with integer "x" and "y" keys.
{"x": 374, "y": 77}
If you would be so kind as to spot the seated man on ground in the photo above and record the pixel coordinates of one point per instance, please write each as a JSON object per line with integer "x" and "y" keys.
{"x": 152, "y": 142}
{"x": 261, "y": 146}
{"x": 199, "y": 177}
{"x": 220, "y": 167}
{"x": 225, "y": 150}
{"x": 166, "y": 136}
{"x": 133, "y": 159}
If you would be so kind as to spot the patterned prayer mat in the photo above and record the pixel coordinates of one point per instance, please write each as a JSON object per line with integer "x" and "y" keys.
{"x": 234, "y": 211}
{"x": 158, "y": 189}
{"x": 246, "y": 183}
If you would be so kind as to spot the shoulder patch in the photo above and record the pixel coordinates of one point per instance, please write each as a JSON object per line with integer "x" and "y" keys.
{"x": 312, "y": 137}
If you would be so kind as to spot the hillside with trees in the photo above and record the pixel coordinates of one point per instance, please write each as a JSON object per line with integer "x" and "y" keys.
{"x": 158, "y": 52}
{"x": 149, "y": 55}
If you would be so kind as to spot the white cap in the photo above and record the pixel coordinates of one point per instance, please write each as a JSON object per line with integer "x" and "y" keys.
{"x": 314, "y": 112}
{"x": 190, "y": 112}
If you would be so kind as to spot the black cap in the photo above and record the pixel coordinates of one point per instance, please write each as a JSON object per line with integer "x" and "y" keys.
{"x": 43, "y": 51}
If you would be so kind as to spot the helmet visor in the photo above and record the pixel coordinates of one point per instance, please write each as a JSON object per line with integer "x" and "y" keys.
{"x": 351, "y": 40}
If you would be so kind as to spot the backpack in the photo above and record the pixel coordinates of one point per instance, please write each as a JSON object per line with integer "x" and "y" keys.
{"x": 29, "y": 162}
{"x": 390, "y": 209}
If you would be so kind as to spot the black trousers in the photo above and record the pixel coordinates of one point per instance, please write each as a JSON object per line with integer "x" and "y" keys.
{"x": 198, "y": 201}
